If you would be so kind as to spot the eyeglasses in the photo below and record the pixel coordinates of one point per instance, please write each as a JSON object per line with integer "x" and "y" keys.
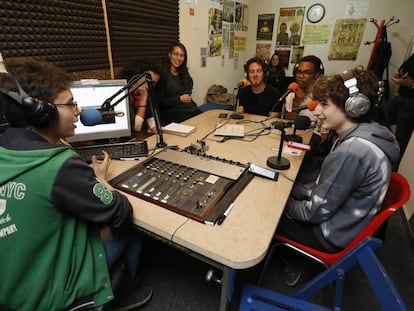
{"x": 177, "y": 54}
{"x": 305, "y": 72}
{"x": 72, "y": 104}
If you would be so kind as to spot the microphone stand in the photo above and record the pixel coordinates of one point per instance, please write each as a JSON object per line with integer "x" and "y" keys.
{"x": 294, "y": 137}
{"x": 129, "y": 88}
{"x": 235, "y": 115}
{"x": 278, "y": 162}
{"x": 154, "y": 109}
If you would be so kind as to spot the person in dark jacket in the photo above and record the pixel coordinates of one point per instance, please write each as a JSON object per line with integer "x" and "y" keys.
{"x": 174, "y": 96}
{"x": 401, "y": 109}
{"x": 276, "y": 73}
{"x": 63, "y": 226}
{"x": 259, "y": 97}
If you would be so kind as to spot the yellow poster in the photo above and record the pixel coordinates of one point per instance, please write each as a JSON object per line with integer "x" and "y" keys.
{"x": 346, "y": 38}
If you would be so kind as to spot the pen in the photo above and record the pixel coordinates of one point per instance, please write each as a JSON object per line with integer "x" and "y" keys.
{"x": 226, "y": 213}
{"x": 129, "y": 159}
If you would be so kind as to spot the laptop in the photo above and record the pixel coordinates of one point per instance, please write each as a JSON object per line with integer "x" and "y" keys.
{"x": 91, "y": 94}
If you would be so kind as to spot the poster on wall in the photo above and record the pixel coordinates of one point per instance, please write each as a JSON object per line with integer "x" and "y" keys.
{"x": 265, "y": 27}
{"x": 245, "y": 19}
{"x": 346, "y": 38}
{"x": 215, "y": 18}
{"x": 289, "y": 29}
{"x": 297, "y": 53}
{"x": 228, "y": 11}
{"x": 316, "y": 34}
{"x": 263, "y": 51}
{"x": 218, "y": 4}
{"x": 238, "y": 16}
{"x": 284, "y": 56}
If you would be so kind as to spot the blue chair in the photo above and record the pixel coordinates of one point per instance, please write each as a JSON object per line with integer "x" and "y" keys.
{"x": 256, "y": 298}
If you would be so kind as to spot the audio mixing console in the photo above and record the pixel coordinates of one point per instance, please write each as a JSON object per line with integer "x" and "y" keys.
{"x": 195, "y": 185}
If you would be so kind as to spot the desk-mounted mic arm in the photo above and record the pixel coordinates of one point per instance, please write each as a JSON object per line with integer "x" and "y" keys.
{"x": 134, "y": 83}
{"x": 127, "y": 89}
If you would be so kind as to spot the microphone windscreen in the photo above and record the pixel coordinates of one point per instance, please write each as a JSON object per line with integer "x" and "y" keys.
{"x": 90, "y": 117}
{"x": 302, "y": 122}
{"x": 293, "y": 87}
{"x": 312, "y": 104}
{"x": 244, "y": 81}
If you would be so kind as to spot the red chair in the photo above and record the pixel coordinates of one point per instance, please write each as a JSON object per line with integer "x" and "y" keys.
{"x": 397, "y": 195}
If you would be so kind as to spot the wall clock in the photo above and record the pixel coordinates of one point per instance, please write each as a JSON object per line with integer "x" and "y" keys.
{"x": 315, "y": 13}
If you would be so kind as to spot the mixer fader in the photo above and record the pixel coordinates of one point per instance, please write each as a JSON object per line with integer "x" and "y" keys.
{"x": 197, "y": 186}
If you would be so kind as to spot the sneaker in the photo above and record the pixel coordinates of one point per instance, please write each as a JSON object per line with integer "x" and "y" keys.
{"x": 292, "y": 276}
{"x": 131, "y": 299}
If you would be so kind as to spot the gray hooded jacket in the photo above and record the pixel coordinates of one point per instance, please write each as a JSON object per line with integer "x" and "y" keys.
{"x": 351, "y": 186}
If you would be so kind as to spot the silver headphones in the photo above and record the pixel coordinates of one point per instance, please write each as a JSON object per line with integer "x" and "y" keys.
{"x": 357, "y": 104}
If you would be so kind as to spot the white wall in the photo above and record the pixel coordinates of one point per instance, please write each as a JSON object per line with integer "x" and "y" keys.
{"x": 194, "y": 34}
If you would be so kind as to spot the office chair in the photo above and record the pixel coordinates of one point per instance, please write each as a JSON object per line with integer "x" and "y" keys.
{"x": 397, "y": 195}
{"x": 256, "y": 298}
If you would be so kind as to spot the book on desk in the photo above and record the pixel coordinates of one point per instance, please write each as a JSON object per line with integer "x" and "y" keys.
{"x": 179, "y": 129}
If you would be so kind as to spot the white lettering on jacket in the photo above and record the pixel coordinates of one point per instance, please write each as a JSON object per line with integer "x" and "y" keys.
{"x": 13, "y": 190}
{"x": 8, "y": 230}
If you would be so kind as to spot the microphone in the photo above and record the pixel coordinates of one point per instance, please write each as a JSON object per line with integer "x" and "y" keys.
{"x": 300, "y": 123}
{"x": 243, "y": 82}
{"x": 293, "y": 87}
{"x": 310, "y": 105}
{"x": 91, "y": 117}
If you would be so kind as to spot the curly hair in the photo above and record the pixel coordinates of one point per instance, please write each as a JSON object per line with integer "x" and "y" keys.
{"x": 332, "y": 87}
{"x": 257, "y": 60}
{"x": 38, "y": 78}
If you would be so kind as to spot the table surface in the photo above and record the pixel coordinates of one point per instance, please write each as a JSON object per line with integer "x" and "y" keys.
{"x": 242, "y": 240}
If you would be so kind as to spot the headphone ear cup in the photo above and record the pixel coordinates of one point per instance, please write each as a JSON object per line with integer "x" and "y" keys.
{"x": 39, "y": 113}
{"x": 295, "y": 68}
{"x": 357, "y": 106}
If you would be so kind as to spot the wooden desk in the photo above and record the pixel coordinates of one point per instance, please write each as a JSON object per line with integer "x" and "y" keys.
{"x": 244, "y": 237}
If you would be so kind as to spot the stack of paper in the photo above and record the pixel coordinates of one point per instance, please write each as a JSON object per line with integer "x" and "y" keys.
{"x": 179, "y": 129}
{"x": 236, "y": 130}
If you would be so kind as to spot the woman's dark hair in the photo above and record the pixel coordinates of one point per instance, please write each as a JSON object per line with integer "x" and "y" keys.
{"x": 182, "y": 70}
{"x": 140, "y": 66}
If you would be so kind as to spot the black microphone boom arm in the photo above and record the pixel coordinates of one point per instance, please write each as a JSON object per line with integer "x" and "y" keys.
{"x": 129, "y": 89}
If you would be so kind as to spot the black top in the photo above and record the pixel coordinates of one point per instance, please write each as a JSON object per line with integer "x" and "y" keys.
{"x": 407, "y": 67}
{"x": 170, "y": 107}
{"x": 262, "y": 103}
{"x": 275, "y": 77}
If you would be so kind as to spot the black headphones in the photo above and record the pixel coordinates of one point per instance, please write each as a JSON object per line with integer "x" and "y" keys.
{"x": 357, "y": 104}
{"x": 38, "y": 112}
{"x": 311, "y": 59}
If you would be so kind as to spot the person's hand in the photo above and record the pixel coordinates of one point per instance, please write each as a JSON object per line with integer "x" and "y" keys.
{"x": 142, "y": 91}
{"x": 403, "y": 79}
{"x": 300, "y": 94}
{"x": 186, "y": 98}
{"x": 100, "y": 167}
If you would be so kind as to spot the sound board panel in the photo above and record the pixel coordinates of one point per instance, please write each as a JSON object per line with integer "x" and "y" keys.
{"x": 197, "y": 186}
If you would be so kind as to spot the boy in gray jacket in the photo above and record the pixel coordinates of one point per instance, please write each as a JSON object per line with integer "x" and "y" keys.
{"x": 354, "y": 177}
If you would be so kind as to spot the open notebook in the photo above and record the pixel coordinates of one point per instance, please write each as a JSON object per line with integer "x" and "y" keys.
{"x": 91, "y": 94}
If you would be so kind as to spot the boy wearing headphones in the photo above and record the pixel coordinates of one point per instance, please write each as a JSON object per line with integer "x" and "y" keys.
{"x": 258, "y": 97}
{"x": 305, "y": 72}
{"x": 354, "y": 176}
{"x": 62, "y": 225}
